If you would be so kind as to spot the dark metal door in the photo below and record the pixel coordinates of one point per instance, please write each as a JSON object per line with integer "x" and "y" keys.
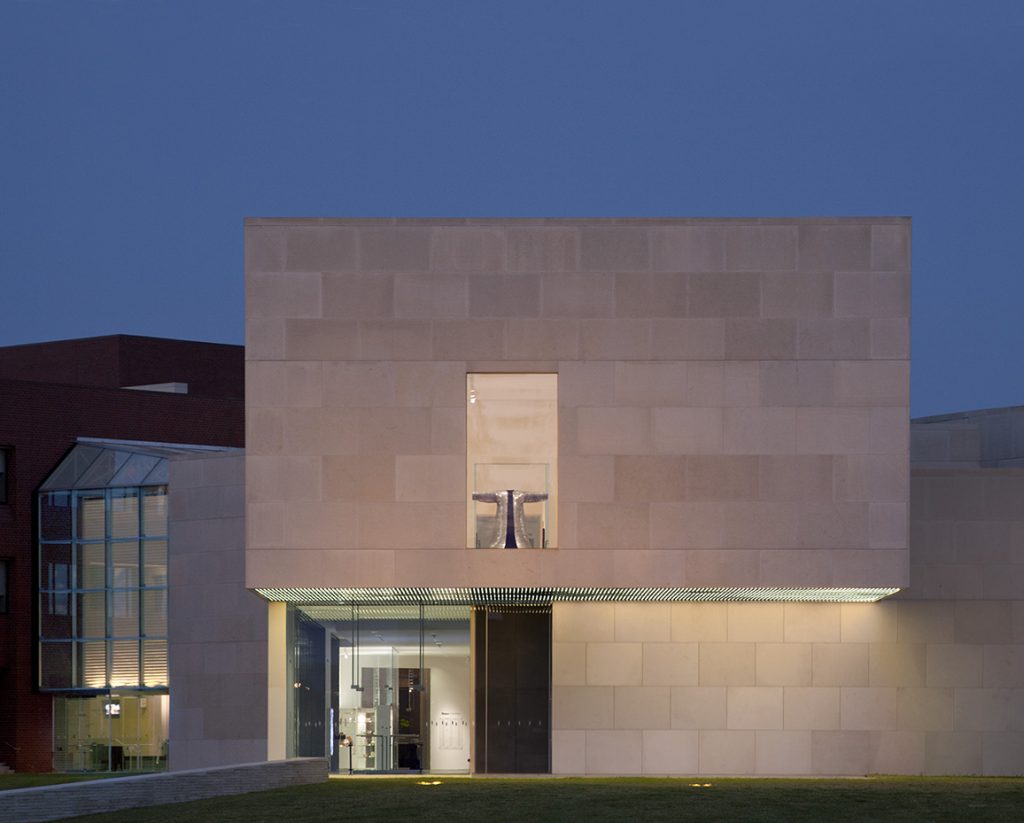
{"x": 513, "y": 681}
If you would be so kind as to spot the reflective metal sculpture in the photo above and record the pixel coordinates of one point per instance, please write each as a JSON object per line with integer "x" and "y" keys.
{"x": 511, "y": 532}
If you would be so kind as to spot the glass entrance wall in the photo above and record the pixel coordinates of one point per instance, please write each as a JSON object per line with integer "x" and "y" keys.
{"x": 397, "y": 686}
{"x": 119, "y": 731}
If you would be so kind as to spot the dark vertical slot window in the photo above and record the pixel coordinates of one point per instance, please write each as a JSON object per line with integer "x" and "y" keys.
{"x": 5, "y": 461}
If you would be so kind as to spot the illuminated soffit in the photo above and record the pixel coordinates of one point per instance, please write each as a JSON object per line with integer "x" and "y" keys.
{"x": 526, "y": 596}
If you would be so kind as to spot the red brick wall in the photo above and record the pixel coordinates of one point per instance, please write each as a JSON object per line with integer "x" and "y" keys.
{"x": 210, "y": 369}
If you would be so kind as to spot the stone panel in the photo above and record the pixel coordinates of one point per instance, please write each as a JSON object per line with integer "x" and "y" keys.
{"x": 319, "y": 248}
{"x": 760, "y": 248}
{"x": 811, "y": 708}
{"x": 619, "y": 339}
{"x": 841, "y": 752}
{"x": 357, "y": 296}
{"x": 698, "y": 707}
{"x": 651, "y": 295}
{"x": 424, "y": 296}
{"x": 796, "y": 294}
{"x": 650, "y": 478}
{"x": 758, "y": 622}
{"x": 614, "y": 664}
{"x": 687, "y": 431}
{"x": 891, "y": 664}
{"x": 796, "y": 383}
{"x": 614, "y": 248}
{"x": 474, "y": 250}
{"x": 538, "y": 249}
{"x": 512, "y": 295}
{"x": 583, "y": 621}
{"x": 670, "y": 752}
{"x": 783, "y": 753}
{"x": 651, "y": 384}
{"x": 869, "y": 708}
{"x": 295, "y": 294}
{"x": 757, "y": 707}
{"x": 392, "y": 249}
{"x": 688, "y": 248}
{"x": 953, "y": 753}
{"x": 642, "y": 621}
{"x": 568, "y": 752}
{"x": 840, "y": 664}
{"x": 670, "y": 664}
{"x": 610, "y": 525}
{"x": 699, "y": 622}
{"x": 689, "y": 339}
{"x": 727, "y": 752}
{"x": 567, "y": 295}
{"x": 728, "y": 664}
{"x": 834, "y": 248}
{"x": 611, "y": 430}
{"x": 783, "y": 664}
{"x": 614, "y": 752}
{"x": 582, "y": 707}
{"x": 586, "y": 479}
{"x": 724, "y": 295}
{"x": 568, "y": 664}
{"x": 641, "y": 707}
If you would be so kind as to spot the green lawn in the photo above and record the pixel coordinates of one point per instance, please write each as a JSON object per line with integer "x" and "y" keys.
{"x": 580, "y": 800}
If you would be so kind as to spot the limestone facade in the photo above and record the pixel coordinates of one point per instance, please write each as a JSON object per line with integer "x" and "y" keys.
{"x": 733, "y": 398}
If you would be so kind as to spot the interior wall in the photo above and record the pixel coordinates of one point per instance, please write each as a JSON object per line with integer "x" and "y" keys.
{"x": 449, "y": 702}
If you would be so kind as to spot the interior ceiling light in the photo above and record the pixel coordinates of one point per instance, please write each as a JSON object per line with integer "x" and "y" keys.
{"x": 571, "y": 594}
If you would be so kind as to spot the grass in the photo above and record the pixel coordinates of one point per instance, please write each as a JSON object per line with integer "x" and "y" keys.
{"x": 594, "y": 800}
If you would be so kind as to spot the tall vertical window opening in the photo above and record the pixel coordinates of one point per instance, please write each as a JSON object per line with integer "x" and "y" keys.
{"x": 512, "y": 461}
{"x": 5, "y": 461}
{"x": 3, "y": 585}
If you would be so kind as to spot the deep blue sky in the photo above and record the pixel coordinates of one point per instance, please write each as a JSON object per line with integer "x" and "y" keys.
{"x": 136, "y": 135}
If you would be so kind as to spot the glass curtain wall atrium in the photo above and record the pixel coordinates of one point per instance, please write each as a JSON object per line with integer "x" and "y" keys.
{"x": 102, "y": 571}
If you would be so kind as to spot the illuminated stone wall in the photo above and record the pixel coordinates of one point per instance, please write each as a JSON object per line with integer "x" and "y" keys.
{"x": 931, "y": 681}
{"x": 732, "y": 398}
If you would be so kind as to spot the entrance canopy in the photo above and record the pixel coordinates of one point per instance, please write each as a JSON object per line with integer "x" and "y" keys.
{"x": 541, "y": 596}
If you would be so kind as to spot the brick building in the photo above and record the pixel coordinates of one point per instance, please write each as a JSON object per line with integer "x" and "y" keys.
{"x": 116, "y": 388}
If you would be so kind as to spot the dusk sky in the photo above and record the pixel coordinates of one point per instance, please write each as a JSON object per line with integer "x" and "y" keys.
{"x": 135, "y": 136}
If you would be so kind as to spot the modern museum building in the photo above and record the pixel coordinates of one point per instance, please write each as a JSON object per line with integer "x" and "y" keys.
{"x": 594, "y": 497}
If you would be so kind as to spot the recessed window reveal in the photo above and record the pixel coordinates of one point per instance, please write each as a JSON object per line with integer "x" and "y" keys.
{"x": 512, "y": 461}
